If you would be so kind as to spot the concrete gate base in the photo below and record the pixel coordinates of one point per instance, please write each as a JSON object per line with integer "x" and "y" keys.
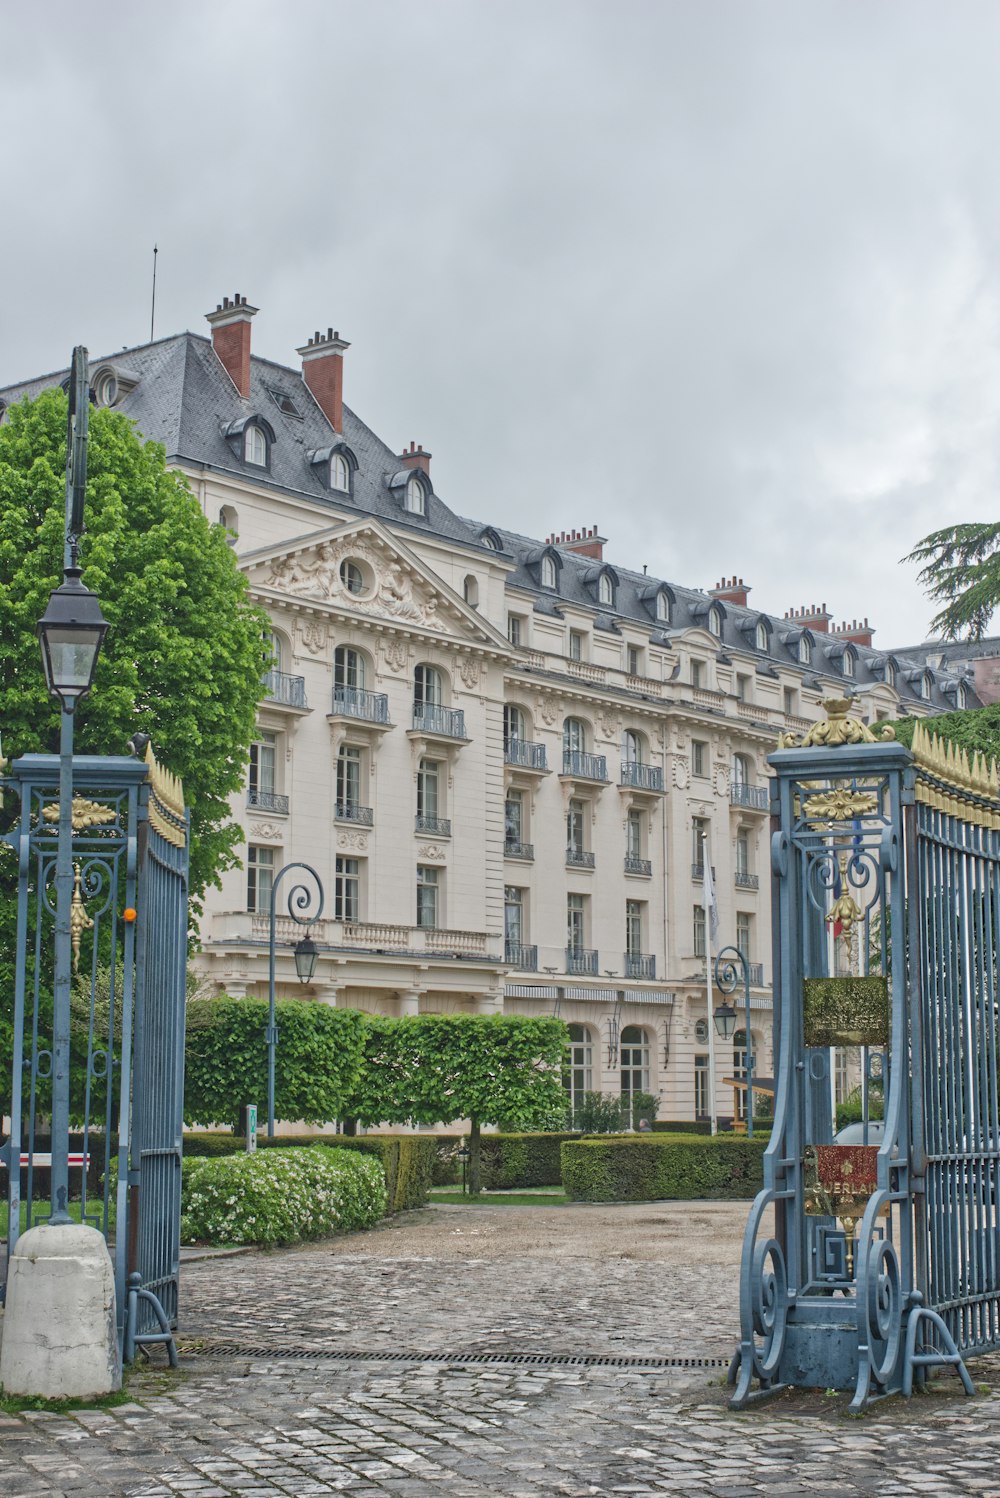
{"x": 59, "y": 1338}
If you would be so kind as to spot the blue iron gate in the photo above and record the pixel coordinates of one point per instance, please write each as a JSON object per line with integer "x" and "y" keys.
{"x": 865, "y": 1263}
{"x": 129, "y": 931}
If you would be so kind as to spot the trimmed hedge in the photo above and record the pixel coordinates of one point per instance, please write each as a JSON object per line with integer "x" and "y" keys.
{"x": 407, "y": 1159}
{"x": 517, "y": 1161}
{"x": 647, "y": 1168}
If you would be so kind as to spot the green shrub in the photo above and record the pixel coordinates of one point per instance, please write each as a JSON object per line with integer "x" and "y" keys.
{"x": 681, "y": 1126}
{"x": 279, "y": 1196}
{"x": 652, "y": 1169}
{"x": 516, "y": 1161}
{"x": 596, "y": 1113}
{"x": 407, "y": 1161}
{"x": 447, "y": 1166}
{"x": 851, "y": 1109}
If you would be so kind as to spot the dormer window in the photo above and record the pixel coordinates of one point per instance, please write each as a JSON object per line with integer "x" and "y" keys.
{"x": 715, "y": 619}
{"x": 548, "y": 572}
{"x": 924, "y": 686}
{"x": 340, "y": 473}
{"x": 490, "y": 538}
{"x": 106, "y": 388}
{"x": 848, "y": 663}
{"x": 255, "y": 446}
{"x": 890, "y": 673}
{"x": 763, "y": 636}
{"x": 605, "y": 589}
{"x": 962, "y": 695}
{"x": 805, "y": 650}
{"x": 414, "y": 499}
{"x": 662, "y": 608}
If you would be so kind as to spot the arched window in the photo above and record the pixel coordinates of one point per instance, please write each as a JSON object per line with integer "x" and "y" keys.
{"x": 490, "y": 538}
{"x": 352, "y": 576}
{"x": 663, "y": 608}
{"x": 340, "y": 473}
{"x": 742, "y": 770}
{"x": 634, "y": 1068}
{"x": 925, "y": 685}
{"x": 805, "y": 650}
{"x": 574, "y": 736}
{"x": 106, "y": 388}
{"x": 255, "y": 446}
{"x": 605, "y": 589}
{"x": 470, "y": 590}
{"x": 580, "y": 1076}
{"x": 548, "y": 572}
{"x": 427, "y": 686}
{"x": 513, "y": 724}
{"x": 890, "y": 673}
{"x": 230, "y": 520}
{"x": 763, "y": 635}
{"x": 715, "y": 619}
{"x": 277, "y": 652}
{"x": 962, "y": 695}
{"x": 348, "y": 668}
{"x": 632, "y": 747}
{"x": 848, "y": 662}
{"x": 414, "y": 498}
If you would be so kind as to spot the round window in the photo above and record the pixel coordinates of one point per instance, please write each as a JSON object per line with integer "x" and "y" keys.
{"x": 352, "y": 576}
{"x": 701, "y": 1031}
{"x": 106, "y": 388}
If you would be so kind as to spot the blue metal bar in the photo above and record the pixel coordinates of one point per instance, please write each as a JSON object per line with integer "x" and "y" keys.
{"x": 62, "y": 979}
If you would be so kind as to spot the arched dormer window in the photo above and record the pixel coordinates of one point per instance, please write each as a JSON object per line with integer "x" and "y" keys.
{"x": 962, "y": 695}
{"x": 605, "y": 589}
{"x": 924, "y": 685}
{"x": 3, "y": 411}
{"x": 414, "y": 496}
{"x": 255, "y": 446}
{"x": 848, "y": 661}
{"x": 548, "y": 572}
{"x": 762, "y": 635}
{"x": 490, "y": 539}
{"x": 663, "y": 607}
{"x": 805, "y": 650}
{"x": 715, "y": 618}
{"x": 890, "y": 672}
{"x": 340, "y": 474}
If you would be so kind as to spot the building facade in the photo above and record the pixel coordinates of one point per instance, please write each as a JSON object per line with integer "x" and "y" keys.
{"x": 509, "y": 759}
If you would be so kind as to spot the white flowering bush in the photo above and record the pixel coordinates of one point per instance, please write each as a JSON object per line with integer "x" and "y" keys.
{"x": 280, "y": 1196}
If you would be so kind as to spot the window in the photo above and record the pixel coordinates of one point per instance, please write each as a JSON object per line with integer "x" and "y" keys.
{"x": 105, "y": 388}
{"x": 699, "y": 758}
{"x": 427, "y": 896}
{"x": 701, "y": 1089}
{"x": 742, "y": 770}
{"x": 742, "y": 852}
{"x": 605, "y": 589}
{"x": 633, "y": 660}
{"x": 924, "y": 686}
{"x": 347, "y": 890}
{"x": 513, "y": 724}
{"x": 263, "y": 755}
{"x": 633, "y": 835}
{"x": 743, "y": 686}
{"x": 260, "y": 878}
{"x": 763, "y": 635}
{"x": 255, "y": 446}
{"x": 414, "y": 499}
{"x": 699, "y": 931}
{"x": 470, "y": 591}
{"x": 340, "y": 473}
{"x": 580, "y": 1077}
{"x": 848, "y": 663}
{"x": 277, "y": 653}
{"x": 576, "y": 821}
{"x": 513, "y": 818}
{"x": 513, "y": 919}
{"x": 352, "y": 577}
{"x": 348, "y": 781}
{"x": 574, "y": 736}
{"x": 697, "y": 673}
{"x": 662, "y": 608}
{"x": 890, "y": 673}
{"x": 699, "y": 841}
{"x": 744, "y": 931}
{"x": 634, "y": 1066}
{"x": 575, "y": 645}
{"x": 633, "y": 927}
{"x": 740, "y": 1051}
{"x": 841, "y": 1071}
{"x": 576, "y": 911}
{"x": 791, "y": 702}
{"x": 428, "y": 788}
{"x": 348, "y": 668}
{"x": 490, "y": 539}
{"x": 715, "y": 619}
{"x": 230, "y": 521}
{"x": 427, "y": 686}
{"x": 805, "y": 650}
{"x": 515, "y": 629}
{"x": 548, "y": 572}
{"x": 632, "y": 747}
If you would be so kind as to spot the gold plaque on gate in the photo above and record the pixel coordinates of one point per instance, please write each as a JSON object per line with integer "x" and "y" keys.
{"x": 846, "y": 1011}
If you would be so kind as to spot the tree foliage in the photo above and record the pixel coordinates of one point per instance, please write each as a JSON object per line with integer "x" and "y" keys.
{"x": 973, "y": 729}
{"x": 961, "y": 571}
{"x": 184, "y": 658}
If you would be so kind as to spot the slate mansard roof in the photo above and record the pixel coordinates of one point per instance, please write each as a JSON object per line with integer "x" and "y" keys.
{"x": 178, "y": 393}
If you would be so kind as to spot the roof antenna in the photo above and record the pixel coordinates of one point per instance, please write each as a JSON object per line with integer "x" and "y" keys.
{"x": 152, "y": 310}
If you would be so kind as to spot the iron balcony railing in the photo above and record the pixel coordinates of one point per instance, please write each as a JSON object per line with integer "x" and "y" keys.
{"x": 289, "y": 690}
{"x": 579, "y": 858}
{"x": 522, "y": 956}
{"x": 585, "y": 766}
{"x": 431, "y": 718}
{"x": 581, "y": 960}
{"x": 512, "y": 848}
{"x": 756, "y": 797}
{"x": 267, "y": 801}
{"x": 524, "y": 752}
{"x": 350, "y": 811}
{"x": 640, "y": 965}
{"x": 641, "y": 866}
{"x": 354, "y": 702}
{"x": 746, "y": 880}
{"x": 643, "y": 777}
{"x": 436, "y": 826}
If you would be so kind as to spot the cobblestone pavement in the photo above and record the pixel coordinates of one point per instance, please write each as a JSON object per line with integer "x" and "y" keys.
{"x": 622, "y": 1283}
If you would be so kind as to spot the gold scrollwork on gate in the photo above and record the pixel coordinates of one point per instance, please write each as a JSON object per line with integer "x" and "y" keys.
{"x": 86, "y": 814}
{"x": 79, "y": 920}
{"x": 840, "y": 805}
{"x": 837, "y": 729}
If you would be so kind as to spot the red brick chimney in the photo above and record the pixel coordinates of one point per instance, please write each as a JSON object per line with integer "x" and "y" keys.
{"x": 586, "y": 543}
{"x": 230, "y": 324}
{"x": 731, "y": 590}
{"x": 416, "y": 458}
{"x": 816, "y": 619}
{"x": 323, "y": 371}
{"x": 857, "y": 634}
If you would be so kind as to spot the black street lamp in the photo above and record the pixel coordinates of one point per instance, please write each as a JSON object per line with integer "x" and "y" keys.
{"x": 300, "y": 898}
{"x": 725, "y": 1021}
{"x": 730, "y": 967}
{"x": 71, "y": 633}
{"x": 306, "y": 952}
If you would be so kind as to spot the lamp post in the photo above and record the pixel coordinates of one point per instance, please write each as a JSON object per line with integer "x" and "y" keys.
{"x": 730, "y": 966}
{"x": 300, "y": 898}
{"x": 70, "y": 632}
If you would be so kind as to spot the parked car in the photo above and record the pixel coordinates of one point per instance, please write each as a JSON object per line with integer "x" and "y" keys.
{"x": 854, "y": 1133}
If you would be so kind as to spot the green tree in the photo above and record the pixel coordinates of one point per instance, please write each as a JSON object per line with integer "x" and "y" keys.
{"x": 973, "y": 729}
{"x": 961, "y": 571}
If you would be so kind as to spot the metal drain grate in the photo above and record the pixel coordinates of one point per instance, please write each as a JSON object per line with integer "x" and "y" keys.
{"x": 265, "y": 1352}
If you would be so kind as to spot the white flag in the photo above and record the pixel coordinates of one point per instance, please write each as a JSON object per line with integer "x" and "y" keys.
{"x": 711, "y": 908}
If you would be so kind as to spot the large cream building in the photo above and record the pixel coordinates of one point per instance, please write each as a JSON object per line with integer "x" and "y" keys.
{"x": 505, "y": 757}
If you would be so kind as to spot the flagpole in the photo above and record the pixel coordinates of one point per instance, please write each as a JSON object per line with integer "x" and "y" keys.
{"x": 708, "y": 899}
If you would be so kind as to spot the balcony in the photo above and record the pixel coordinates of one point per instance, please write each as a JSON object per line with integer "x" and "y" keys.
{"x": 579, "y": 858}
{"x": 641, "y": 868}
{"x": 754, "y": 797}
{"x": 640, "y": 965}
{"x": 582, "y": 961}
{"x": 432, "y": 826}
{"x": 377, "y": 939}
{"x": 429, "y": 717}
{"x": 746, "y": 880}
{"x": 641, "y": 777}
{"x": 525, "y": 754}
{"x": 289, "y": 691}
{"x": 364, "y": 707}
{"x": 757, "y": 975}
{"x": 349, "y": 811}
{"x": 521, "y": 956}
{"x": 583, "y": 766}
{"x": 267, "y": 801}
{"x": 513, "y": 848}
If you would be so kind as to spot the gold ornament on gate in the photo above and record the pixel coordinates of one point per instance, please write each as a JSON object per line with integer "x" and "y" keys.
{"x": 79, "y": 920}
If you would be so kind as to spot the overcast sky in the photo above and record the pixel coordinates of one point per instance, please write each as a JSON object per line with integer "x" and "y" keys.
{"x": 721, "y": 278}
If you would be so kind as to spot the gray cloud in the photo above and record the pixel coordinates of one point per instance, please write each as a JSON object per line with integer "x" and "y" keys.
{"x": 720, "y": 278}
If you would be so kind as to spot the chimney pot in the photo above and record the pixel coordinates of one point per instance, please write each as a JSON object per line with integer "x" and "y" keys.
{"x": 230, "y": 324}
{"x": 323, "y": 373}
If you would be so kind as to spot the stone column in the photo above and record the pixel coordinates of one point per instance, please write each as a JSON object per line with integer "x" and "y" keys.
{"x": 409, "y": 1002}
